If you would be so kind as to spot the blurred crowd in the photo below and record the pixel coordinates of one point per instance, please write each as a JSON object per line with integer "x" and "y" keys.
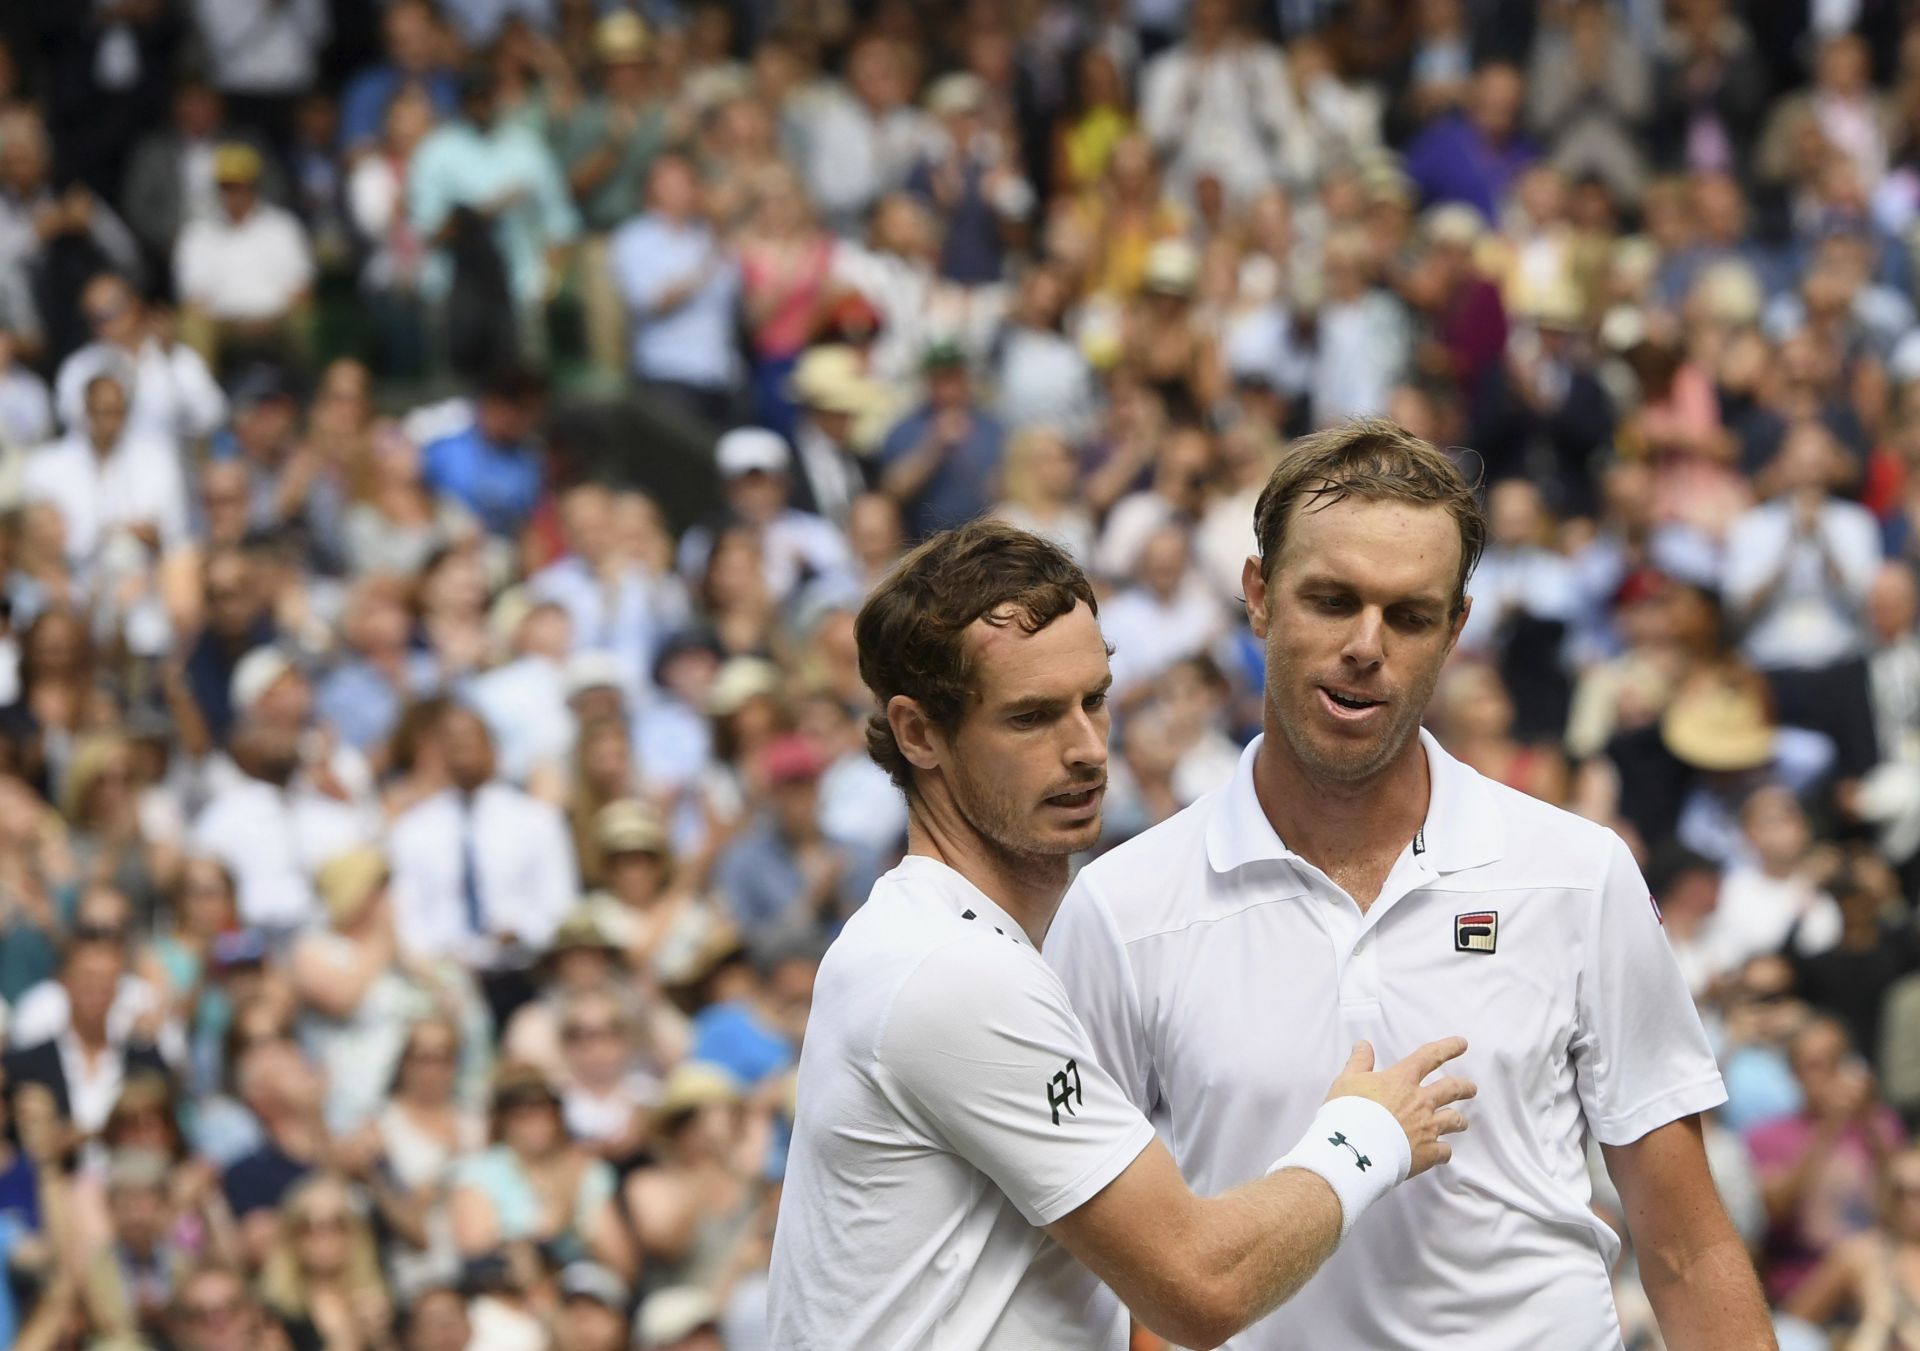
{"x": 444, "y": 443}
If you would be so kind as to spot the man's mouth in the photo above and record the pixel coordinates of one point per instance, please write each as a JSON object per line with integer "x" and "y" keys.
{"x": 1078, "y": 799}
{"x": 1347, "y": 705}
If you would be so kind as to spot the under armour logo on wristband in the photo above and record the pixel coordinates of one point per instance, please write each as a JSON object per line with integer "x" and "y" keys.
{"x": 1360, "y": 1161}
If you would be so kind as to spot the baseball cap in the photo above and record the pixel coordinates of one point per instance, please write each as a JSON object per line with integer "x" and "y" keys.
{"x": 943, "y": 354}
{"x": 236, "y": 162}
{"x": 672, "y": 1315}
{"x": 791, "y": 759}
{"x": 590, "y": 1280}
{"x": 258, "y": 672}
{"x": 747, "y": 449}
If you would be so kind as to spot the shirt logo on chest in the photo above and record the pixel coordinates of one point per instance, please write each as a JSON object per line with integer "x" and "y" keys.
{"x": 1475, "y": 932}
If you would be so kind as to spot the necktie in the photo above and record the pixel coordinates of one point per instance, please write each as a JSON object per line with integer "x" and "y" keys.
{"x": 470, "y": 873}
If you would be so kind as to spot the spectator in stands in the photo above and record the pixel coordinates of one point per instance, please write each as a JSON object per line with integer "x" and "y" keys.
{"x": 85, "y": 1062}
{"x": 244, "y": 273}
{"x": 680, "y": 284}
{"x": 174, "y": 396}
{"x": 115, "y": 490}
{"x": 488, "y": 196}
{"x": 939, "y": 462}
{"x": 781, "y": 876}
{"x": 413, "y": 48}
{"x": 1820, "y": 1167}
{"x": 492, "y": 467}
{"x": 482, "y": 872}
{"x": 171, "y": 177}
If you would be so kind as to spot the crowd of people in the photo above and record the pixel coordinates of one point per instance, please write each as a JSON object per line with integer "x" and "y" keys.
{"x": 419, "y": 829}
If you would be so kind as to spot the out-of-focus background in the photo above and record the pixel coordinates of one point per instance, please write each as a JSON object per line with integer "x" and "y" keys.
{"x": 443, "y": 447}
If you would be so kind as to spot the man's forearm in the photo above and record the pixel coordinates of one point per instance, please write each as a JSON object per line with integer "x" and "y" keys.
{"x": 1709, "y": 1302}
{"x": 1273, "y": 1234}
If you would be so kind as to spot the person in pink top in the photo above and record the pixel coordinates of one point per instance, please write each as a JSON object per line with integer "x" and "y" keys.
{"x": 1820, "y": 1168}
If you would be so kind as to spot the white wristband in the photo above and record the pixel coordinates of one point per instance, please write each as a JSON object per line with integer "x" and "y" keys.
{"x": 1358, "y": 1146}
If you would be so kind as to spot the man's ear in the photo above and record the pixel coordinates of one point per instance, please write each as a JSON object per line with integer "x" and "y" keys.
{"x": 914, "y": 732}
{"x": 1253, "y": 585}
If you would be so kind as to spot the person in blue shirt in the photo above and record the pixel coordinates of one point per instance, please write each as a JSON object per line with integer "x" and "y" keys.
{"x": 680, "y": 284}
{"x": 412, "y": 41}
{"x": 942, "y": 461}
{"x": 1475, "y": 155}
{"x": 752, "y": 1027}
{"x": 493, "y": 467}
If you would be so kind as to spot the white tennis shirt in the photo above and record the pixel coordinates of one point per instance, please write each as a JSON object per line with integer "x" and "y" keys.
{"x": 1224, "y": 980}
{"x": 948, "y": 1106}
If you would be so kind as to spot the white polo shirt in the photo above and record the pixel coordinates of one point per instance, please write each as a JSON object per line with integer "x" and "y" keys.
{"x": 1224, "y": 979}
{"x": 948, "y": 1108}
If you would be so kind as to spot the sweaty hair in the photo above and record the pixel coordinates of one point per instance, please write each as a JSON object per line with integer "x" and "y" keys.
{"x": 1375, "y": 461}
{"x": 912, "y": 630}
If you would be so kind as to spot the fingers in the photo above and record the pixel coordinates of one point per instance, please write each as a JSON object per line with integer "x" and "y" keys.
{"x": 1448, "y": 1122}
{"x": 1361, "y": 1061}
{"x": 1443, "y": 1091}
{"x": 1430, "y": 1057}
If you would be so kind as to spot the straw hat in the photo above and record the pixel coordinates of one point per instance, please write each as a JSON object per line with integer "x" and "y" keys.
{"x": 831, "y": 378}
{"x": 1719, "y": 726}
{"x": 694, "y": 1084}
{"x": 620, "y": 37}
{"x": 346, "y": 882}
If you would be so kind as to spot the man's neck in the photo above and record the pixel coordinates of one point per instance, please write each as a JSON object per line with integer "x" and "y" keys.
{"x": 1325, "y": 821}
{"x": 1028, "y": 888}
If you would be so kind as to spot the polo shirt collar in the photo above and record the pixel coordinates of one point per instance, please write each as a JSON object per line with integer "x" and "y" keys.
{"x": 1462, "y": 829}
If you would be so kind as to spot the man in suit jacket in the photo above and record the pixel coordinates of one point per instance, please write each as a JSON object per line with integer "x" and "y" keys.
{"x": 85, "y": 1065}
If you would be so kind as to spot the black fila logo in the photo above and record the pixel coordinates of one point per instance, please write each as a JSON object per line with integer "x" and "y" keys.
{"x": 1360, "y": 1161}
{"x": 1063, "y": 1090}
{"x": 1476, "y": 932}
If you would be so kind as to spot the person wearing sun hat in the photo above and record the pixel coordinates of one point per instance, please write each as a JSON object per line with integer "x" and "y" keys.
{"x": 358, "y": 1002}
{"x": 838, "y": 404}
{"x": 606, "y": 146}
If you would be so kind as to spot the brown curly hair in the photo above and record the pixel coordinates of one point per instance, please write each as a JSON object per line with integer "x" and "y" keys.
{"x": 912, "y": 630}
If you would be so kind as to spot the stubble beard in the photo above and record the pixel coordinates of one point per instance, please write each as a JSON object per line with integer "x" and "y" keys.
{"x": 996, "y": 819}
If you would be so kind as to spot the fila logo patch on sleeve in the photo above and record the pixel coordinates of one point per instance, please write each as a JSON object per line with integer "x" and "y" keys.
{"x": 1475, "y": 932}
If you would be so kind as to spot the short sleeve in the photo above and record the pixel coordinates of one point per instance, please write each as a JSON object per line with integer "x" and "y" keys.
{"x": 1641, "y": 1057}
{"x": 982, "y": 1050}
{"x": 1085, "y": 949}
